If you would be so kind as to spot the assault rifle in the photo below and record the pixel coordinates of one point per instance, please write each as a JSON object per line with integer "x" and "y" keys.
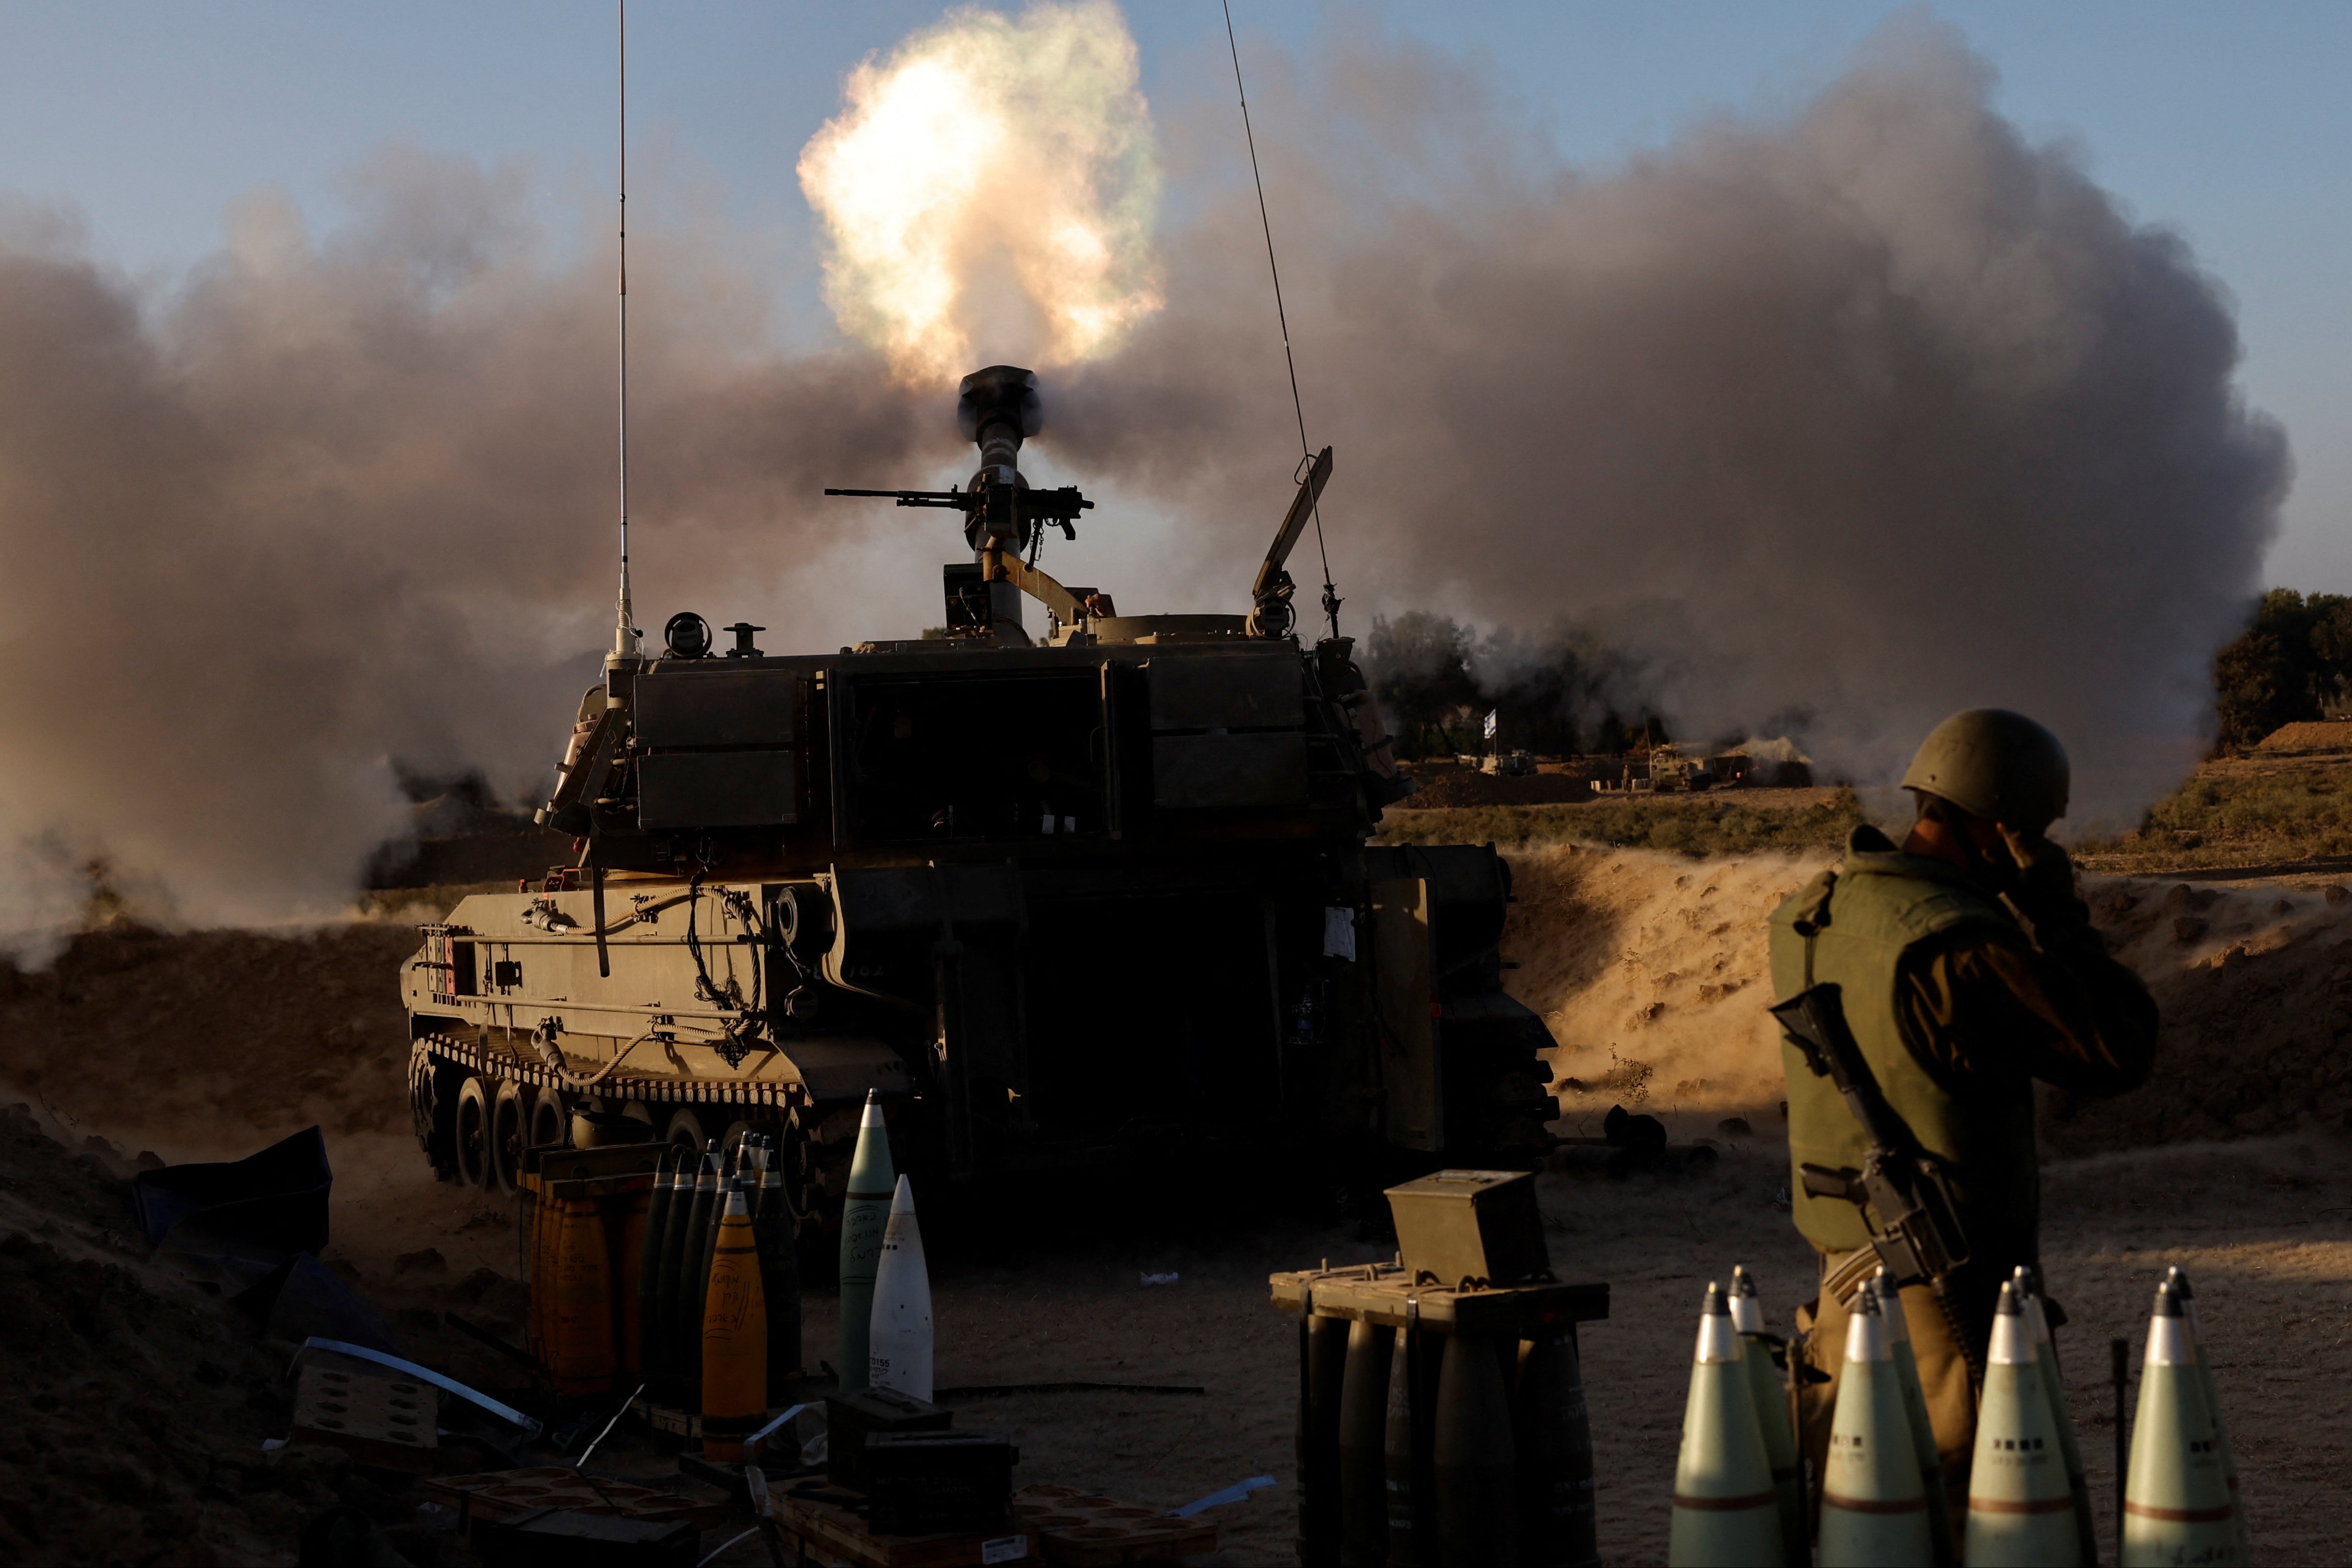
{"x": 1917, "y": 1238}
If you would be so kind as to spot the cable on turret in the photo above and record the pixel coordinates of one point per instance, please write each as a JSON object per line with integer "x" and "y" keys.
{"x": 1331, "y": 601}
{"x": 625, "y": 635}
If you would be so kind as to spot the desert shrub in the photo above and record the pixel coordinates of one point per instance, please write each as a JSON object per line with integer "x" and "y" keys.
{"x": 1695, "y": 824}
{"x": 2238, "y": 818}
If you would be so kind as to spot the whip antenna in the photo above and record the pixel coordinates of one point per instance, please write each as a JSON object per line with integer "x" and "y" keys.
{"x": 624, "y": 634}
{"x": 1330, "y": 595}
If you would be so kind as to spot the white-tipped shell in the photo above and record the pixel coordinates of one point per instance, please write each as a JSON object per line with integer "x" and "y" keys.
{"x": 735, "y": 1205}
{"x": 1746, "y": 1314}
{"x": 1890, "y": 1311}
{"x": 2169, "y": 1344}
{"x": 2038, "y": 1320}
{"x": 1718, "y": 1339}
{"x": 1866, "y": 1339}
{"x": 2012, "y": 1341}
{"x": 873, "y": 1118}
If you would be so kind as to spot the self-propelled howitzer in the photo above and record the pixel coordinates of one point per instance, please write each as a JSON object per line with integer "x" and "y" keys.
{"x": 1047, "y": 890}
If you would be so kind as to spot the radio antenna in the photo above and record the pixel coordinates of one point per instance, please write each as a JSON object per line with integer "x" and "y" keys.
{"x": 624, "y": 634}
{"x": 1305, "y": 454}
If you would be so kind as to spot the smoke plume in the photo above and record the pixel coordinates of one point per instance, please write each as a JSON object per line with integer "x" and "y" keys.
{"x": 988, "y": 192}
{"x": 1869, "y": 412}
{"x": 343, "y": 503}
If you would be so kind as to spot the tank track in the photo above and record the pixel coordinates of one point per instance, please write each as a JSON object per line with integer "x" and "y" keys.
{"x": 497, "y": 1055}
{"x": 441, "y": 1063}
{"x": 815, "y": 1152}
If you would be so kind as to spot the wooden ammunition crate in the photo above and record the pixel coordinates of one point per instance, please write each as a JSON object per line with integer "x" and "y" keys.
{"x": 1384, "y": 1293}
{"x": 378, "y": 1417}
{"x": 504, "y": 1494}
{"x": 1090, "y": 1532}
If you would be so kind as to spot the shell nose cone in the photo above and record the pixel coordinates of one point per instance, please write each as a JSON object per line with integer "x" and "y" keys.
{"x": 2013, "y": 1339}
{"x": 1865, "y": 1331}
{"x": 1718, "y": 1341}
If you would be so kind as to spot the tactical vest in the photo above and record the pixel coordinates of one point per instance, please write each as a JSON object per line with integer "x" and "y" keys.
{"x": 1879, "y": 904}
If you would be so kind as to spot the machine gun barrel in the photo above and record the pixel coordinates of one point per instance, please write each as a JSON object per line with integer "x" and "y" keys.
{"x": 960, "y": 500}
{"x": 1061, "y": 505}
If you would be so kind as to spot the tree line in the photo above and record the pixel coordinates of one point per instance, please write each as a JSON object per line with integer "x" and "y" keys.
{"x": 2293, "y": 662}
{"x": 1562, "y": 692}
{"x": 1566, "y": 691}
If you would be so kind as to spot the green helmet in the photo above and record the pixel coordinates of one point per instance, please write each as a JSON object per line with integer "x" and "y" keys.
{"x": 1994, "y": 763}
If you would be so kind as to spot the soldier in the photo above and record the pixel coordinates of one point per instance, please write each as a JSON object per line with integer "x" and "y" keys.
{"x": 1967, "y": 968}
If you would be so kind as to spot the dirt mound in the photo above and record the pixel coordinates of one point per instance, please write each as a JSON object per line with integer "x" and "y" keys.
{"x": 1462, "y": 787}
{"x": 213, "y": 1043}
{"x": 2255, "y": 986}
{"x": 2313, "y": 734}
{"x": 133, "y": 1406}
{"x": 1651, "y": 971}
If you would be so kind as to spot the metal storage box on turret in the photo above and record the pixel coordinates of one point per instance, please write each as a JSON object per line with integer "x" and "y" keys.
{"x": 1052, "y": 889}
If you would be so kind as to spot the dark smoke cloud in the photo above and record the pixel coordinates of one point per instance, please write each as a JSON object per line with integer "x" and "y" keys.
{"x": 1872, "y": 413}
{"x": 340, "y": 504}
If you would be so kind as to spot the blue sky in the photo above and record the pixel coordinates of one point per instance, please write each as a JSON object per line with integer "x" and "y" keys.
{"x": 2229, "y": 123}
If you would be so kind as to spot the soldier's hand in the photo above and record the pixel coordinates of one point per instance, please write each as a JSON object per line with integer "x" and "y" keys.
{"x": 2044, "y": 889}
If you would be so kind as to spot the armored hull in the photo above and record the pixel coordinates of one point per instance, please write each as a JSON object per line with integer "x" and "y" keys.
{"x": 1050, "y": 894}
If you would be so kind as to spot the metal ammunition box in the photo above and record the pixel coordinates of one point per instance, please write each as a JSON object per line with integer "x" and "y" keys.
{"x": 938, "y": 1483}
{"x": 1471, "y": 1225}
{"x": 862, "y": 1413}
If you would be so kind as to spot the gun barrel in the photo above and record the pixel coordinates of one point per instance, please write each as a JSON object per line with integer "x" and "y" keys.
{"x": 998, "y": 408}
{"x": 960, "y": 500}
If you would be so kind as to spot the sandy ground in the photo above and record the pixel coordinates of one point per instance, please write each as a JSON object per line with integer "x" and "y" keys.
{"x": 2264, "y": 1226}
{"x": 2232, "y": 1164}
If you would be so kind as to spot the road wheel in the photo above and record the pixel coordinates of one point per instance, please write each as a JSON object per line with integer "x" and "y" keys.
{"x": 420, "y": 1095}
{"x": 476, "y": 1166}
{"x": 432, "y": 1105}
{"x": 684, "y": 1130}
{"x": 509, "y": 1132}
{"x": 551, "y": 1122}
